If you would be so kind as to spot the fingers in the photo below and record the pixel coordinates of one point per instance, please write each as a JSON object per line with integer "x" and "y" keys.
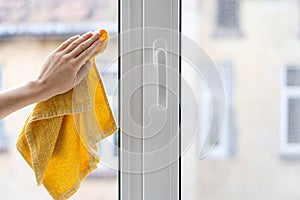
{"x": 78, "y": 41}
{"x": 78, "y": 50}
{"x": 66, "y": 43}
{"x": 84, "y": 45}
{"x": 89, "y": 52}
{"x": 83, "y": 72}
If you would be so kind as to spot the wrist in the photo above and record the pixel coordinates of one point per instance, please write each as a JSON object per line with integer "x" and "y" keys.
{"x": 38, "y": 90}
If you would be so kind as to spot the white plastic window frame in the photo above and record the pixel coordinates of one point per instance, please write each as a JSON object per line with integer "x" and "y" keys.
{"x": 140, "y": 185}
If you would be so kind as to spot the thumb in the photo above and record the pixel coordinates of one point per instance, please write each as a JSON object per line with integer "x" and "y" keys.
{"x": 83, "y": 72}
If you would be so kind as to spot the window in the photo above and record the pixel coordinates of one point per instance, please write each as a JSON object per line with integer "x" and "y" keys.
{"x": 228, "y": 13}
{"x": 222, "y": 143}
{"x": 293, "y": 121}
{"x": 228, "y": 18}
{"x": 290, "y": 133}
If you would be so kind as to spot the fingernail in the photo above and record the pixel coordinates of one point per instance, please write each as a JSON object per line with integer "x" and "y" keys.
{"x": 88, "y": 33}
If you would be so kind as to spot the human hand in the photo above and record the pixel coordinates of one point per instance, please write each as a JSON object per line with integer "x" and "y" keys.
{"x": 67, "y": 65}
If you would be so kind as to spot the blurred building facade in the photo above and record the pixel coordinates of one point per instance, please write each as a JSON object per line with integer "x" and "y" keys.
{"x": 257, "y": 44}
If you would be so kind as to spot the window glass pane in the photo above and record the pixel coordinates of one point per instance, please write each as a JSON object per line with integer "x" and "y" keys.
{"x": 228, "y": 13}
{"x": 294, "y": 121}
{"x": 264, "y": 141}
{"x": 29, "y": 31}
{"x": 293, "y": 77}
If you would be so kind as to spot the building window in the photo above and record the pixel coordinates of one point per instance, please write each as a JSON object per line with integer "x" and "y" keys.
{"x": 293, "y": 136}
{"x": 222, "y": 144}
{"x": 227, "y": 24}
{"x": 290, "y": 130}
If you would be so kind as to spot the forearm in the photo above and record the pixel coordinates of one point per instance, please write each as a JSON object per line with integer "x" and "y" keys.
{"x": 19, "y": 97}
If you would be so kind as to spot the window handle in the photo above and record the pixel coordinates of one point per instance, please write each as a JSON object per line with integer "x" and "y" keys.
{"x": 161, "y": 64}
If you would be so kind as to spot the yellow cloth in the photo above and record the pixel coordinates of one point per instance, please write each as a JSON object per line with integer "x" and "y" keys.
{"x": 59, "y": 137}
